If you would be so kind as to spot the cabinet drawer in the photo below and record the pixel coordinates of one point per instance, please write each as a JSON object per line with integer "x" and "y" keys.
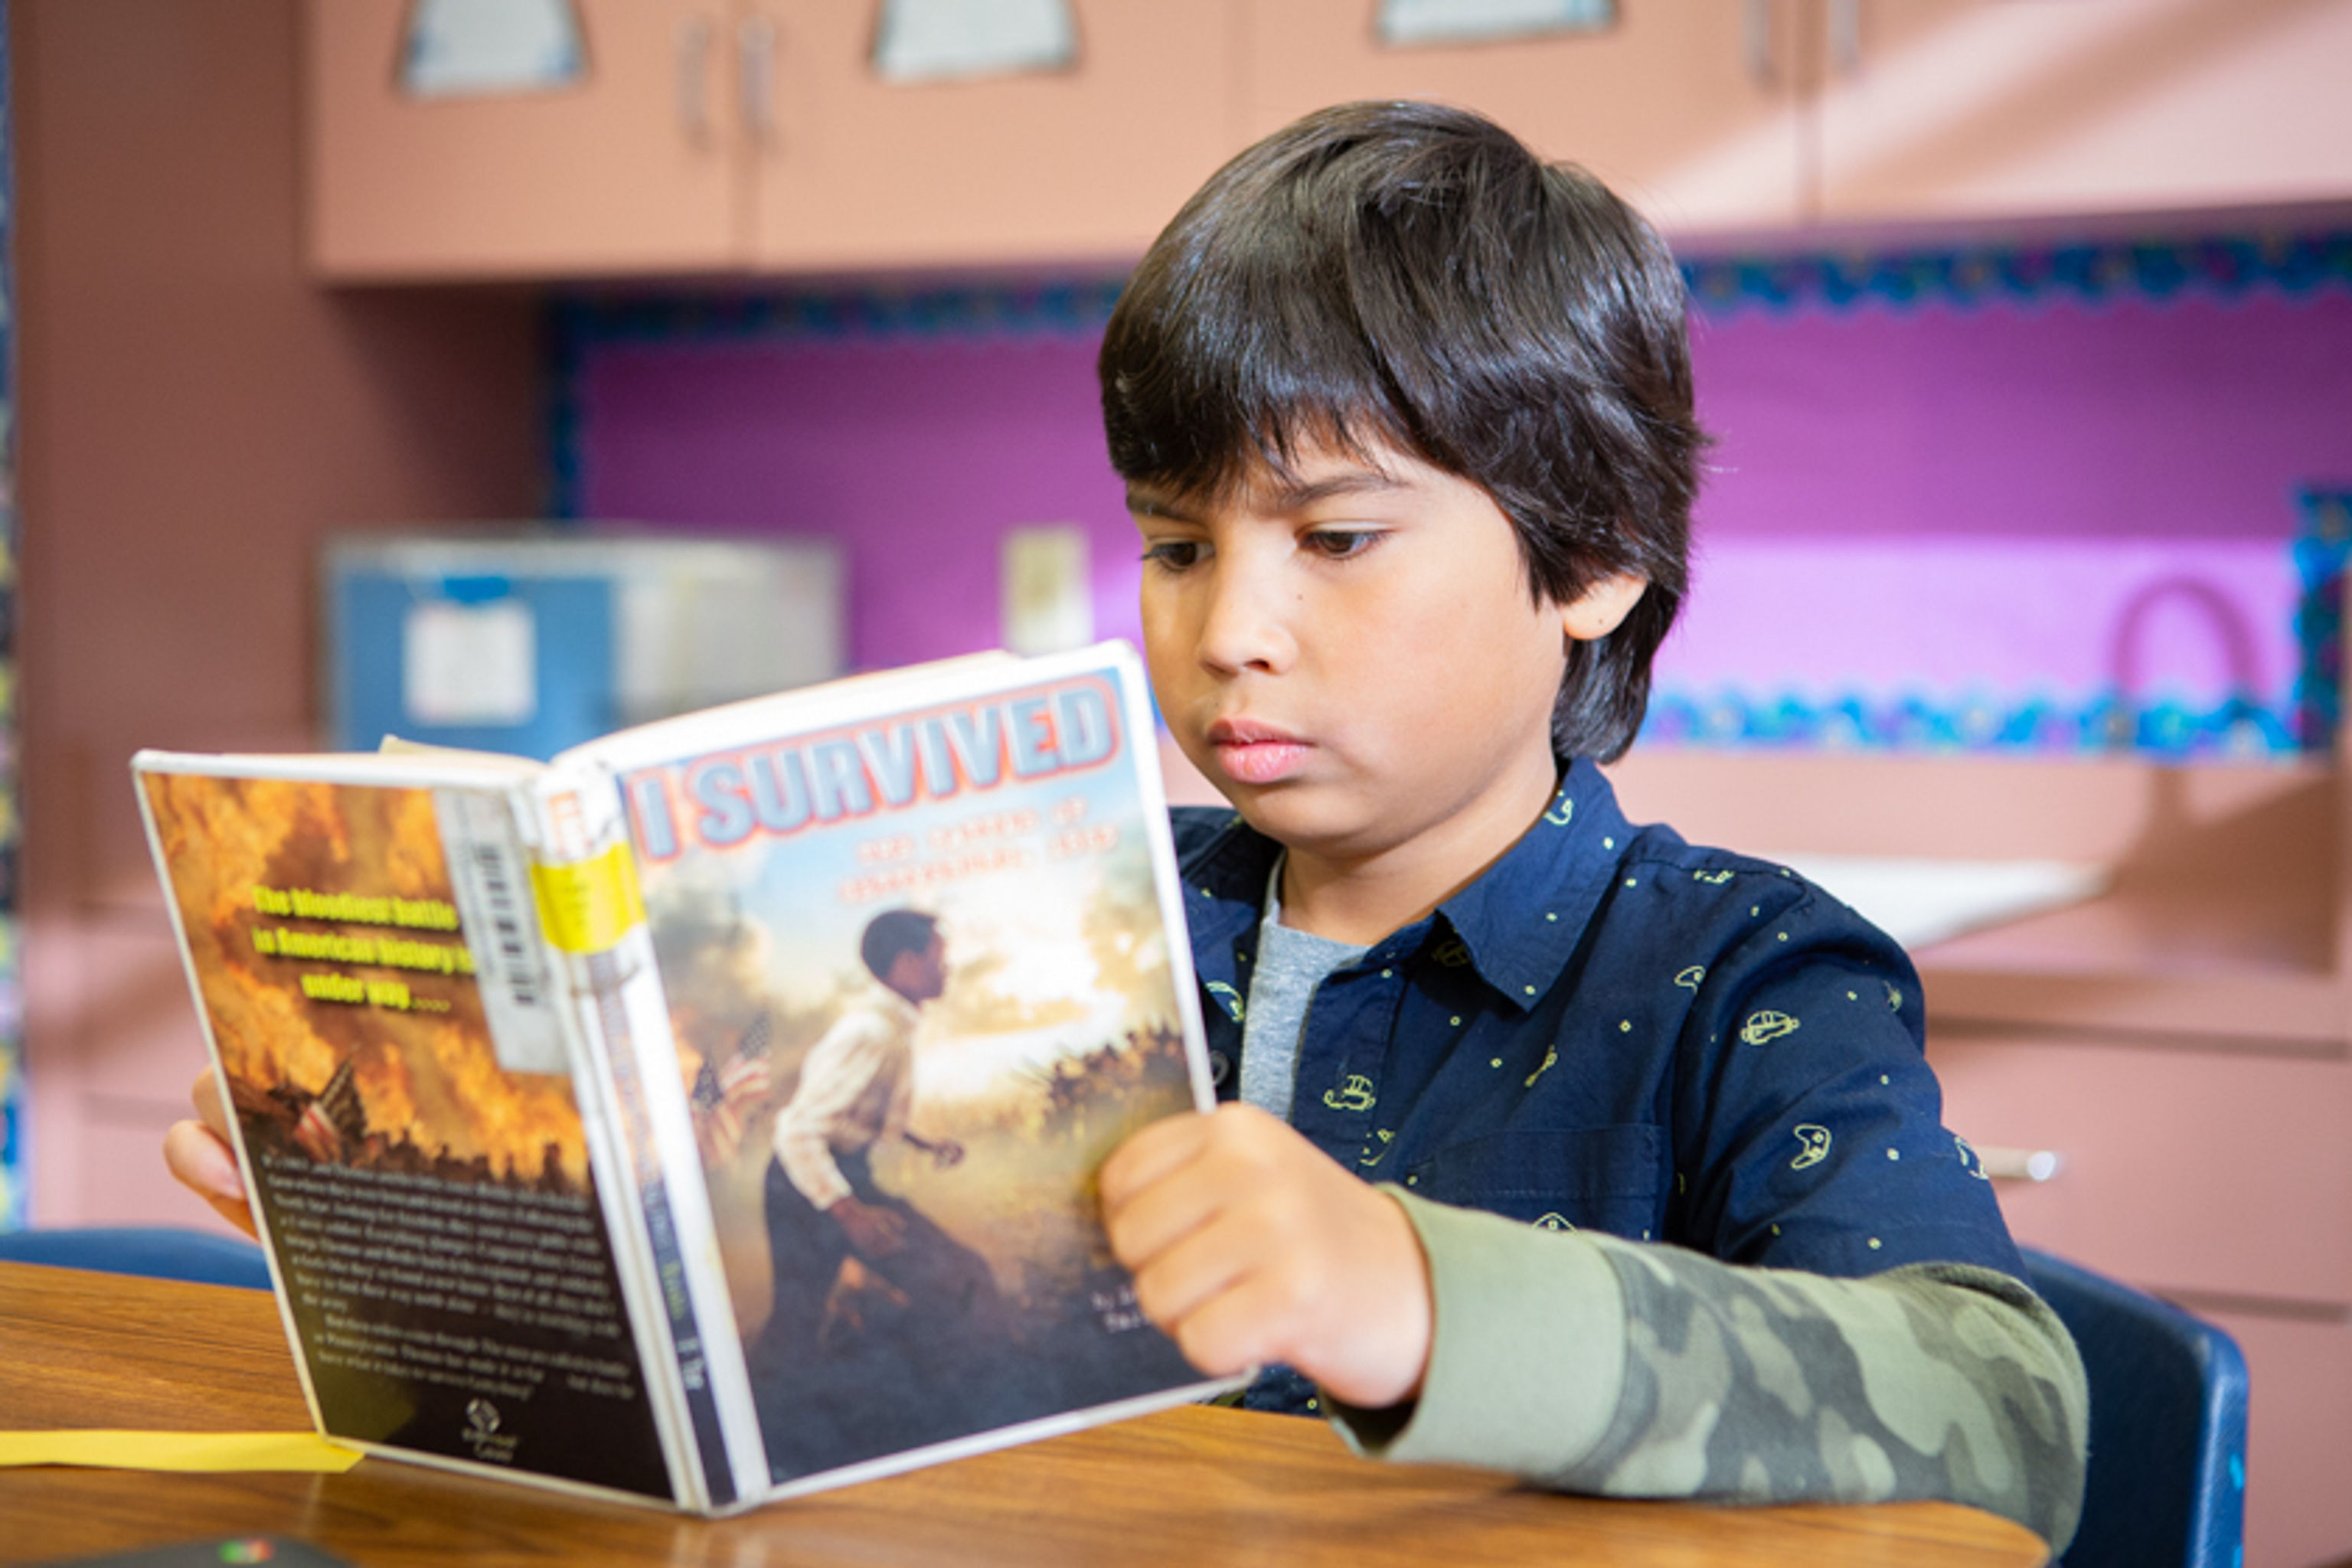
{"x": 2181, "y": 1170}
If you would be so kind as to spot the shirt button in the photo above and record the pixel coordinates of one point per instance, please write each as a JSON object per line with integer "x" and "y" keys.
{"x": 1220, "y": 1068}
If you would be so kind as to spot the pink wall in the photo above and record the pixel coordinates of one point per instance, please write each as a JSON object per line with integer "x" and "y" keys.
{"x": 197, "y": 416}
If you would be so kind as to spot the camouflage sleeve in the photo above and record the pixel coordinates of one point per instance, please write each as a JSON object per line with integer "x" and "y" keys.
{"x": 1624, "y": 1369}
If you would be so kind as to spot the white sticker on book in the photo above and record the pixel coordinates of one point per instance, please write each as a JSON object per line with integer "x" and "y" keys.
{"x": 469, "y": 663}
{"x": 491, "y": 875}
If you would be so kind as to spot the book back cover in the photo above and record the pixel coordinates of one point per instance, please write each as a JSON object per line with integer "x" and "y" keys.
{"x": 434, "y": 1223}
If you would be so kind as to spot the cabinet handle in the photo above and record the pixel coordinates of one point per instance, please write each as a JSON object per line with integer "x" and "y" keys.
{"x": 1846, "y": 36}
{"x": 693, "y": 77}
{"x": 1755, "y": 42}
{"x": 2020, "y": 1165}
{"x": 755, "y": 47}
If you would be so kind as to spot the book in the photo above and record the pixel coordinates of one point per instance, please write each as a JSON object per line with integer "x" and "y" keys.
{"x": 709, "y": 1114}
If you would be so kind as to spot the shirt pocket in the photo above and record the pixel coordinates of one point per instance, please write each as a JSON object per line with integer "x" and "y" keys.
{"x": 1609, "y": 1179}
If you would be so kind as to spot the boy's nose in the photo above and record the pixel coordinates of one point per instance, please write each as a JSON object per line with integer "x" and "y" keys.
{"x": 1243, "y": 624}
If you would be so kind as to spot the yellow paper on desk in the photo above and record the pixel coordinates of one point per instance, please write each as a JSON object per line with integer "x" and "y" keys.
{"x": 120, "y": 1451}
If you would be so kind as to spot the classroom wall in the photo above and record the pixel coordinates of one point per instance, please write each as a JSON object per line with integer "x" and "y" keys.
{"x": 195, "y": 418}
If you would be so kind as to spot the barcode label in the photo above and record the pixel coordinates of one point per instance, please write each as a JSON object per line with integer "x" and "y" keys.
{"x": 494, "y": 871}
{"x": 493, "y": 881}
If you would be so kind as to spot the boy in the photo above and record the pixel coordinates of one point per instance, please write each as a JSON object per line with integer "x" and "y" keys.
{"x": 856, "y": 1092}
{"x": 1406, "y": 421}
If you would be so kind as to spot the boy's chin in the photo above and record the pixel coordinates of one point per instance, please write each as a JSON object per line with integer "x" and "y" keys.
{"x": 1304, "y": 819}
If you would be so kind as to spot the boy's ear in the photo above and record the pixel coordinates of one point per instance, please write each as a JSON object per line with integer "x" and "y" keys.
{"x": 1602, "y": 607}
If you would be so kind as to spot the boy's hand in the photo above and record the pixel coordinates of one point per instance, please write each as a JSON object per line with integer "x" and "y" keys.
{"x": 199, "y": 1155}
{"x": 875, "y": 1233}
{"x": 1249, "y": 1245}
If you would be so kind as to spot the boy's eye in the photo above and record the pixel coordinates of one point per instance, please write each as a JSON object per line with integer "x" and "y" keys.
{"x": 1172, "y": 554}
{"x": 1339, "y": 543}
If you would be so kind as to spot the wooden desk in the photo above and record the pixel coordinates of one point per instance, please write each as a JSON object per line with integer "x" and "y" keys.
{"x": 1190, "y": 1486}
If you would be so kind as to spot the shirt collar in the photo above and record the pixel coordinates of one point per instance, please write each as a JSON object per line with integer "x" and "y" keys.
{"x": 895, "y": 1007}
{"x": 1524, "y": 916}
{"x": 1519, "y": 920}
{"x": 1224, "y": 894}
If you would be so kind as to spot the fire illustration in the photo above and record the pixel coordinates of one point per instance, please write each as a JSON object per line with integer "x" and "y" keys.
{"x": 403, "y": 1076}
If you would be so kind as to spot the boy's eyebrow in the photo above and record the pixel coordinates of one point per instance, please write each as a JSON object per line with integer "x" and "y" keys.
{"x": 1297, "y": 495}
{"x": 1147, "y": 503}
{"x": 1276, "y": 496}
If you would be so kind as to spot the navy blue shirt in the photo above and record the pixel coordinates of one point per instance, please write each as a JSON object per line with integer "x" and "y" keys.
{"x": 1611, "y": 1029}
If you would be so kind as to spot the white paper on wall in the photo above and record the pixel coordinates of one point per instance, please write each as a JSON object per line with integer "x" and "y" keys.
{"x": 1048, "y": 596}
{"x": 1409, "y": 21}
{"x": 476, "y": 48}
{"x": 943, "y": 40}
{"x": 470, "y": 663}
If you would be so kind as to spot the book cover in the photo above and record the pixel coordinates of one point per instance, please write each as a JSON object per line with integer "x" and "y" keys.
{"x": 928, "y": 960}
{"x": 711, "y": 1114}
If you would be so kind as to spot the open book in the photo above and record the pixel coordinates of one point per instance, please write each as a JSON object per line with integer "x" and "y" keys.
{"x": 710, "y": 1114}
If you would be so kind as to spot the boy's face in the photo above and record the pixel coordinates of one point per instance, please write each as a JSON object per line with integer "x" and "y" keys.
{"x": 1354, "y": 659}
{"x": 921, "y": 976}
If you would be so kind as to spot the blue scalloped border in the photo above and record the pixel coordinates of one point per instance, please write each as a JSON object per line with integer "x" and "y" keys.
{"x": 2239, "y": 727}
{"x": 2217, "y": 267}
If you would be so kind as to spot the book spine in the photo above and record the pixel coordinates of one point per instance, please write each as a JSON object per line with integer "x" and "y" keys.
{"x": 584, "y": 881}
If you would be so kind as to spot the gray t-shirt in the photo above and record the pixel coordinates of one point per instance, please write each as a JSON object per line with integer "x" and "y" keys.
{"x": 1290, "y": 965}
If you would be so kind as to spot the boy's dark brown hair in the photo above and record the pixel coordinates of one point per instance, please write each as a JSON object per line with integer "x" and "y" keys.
{"x": 893, "y": 932}
{"x": 1412, "y": 274}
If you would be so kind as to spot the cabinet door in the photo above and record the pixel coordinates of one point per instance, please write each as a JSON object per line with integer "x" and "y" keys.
{"x": 853, "y": 171}
{"x": 631, "y": 171}
{"x": 1969, "y": 108}
{"x": 1687, "y": 111}
{"x": 2198, "y": 1170}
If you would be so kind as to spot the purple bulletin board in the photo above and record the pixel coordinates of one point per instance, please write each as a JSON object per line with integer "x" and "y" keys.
{"x": 2060, "y": 498}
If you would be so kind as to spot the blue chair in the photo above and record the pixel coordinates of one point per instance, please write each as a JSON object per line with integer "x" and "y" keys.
{"x": 157, "y": 1252}
{"x": 2168, "y": 1480}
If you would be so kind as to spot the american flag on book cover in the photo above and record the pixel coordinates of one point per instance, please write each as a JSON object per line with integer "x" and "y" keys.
{"x": 725, "y": 1095}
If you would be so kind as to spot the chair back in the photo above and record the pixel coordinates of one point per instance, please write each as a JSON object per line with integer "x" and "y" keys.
{"x": 158, "y": 1252}
{"x": 2168, "y": 1479}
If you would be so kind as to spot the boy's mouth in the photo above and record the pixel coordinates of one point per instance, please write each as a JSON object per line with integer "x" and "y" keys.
{"x": 1254, "y": 753}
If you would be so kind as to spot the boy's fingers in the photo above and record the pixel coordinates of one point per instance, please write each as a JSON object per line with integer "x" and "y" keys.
{"x": 1148, "y": 1221}
{"x": 200, "y": 1161}
{"x": 1226, "y": 1334}
{"x": 207, "y": 1096}
{"x": 1149, "y": 1155}
{"x": 1176, "y": 1282}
